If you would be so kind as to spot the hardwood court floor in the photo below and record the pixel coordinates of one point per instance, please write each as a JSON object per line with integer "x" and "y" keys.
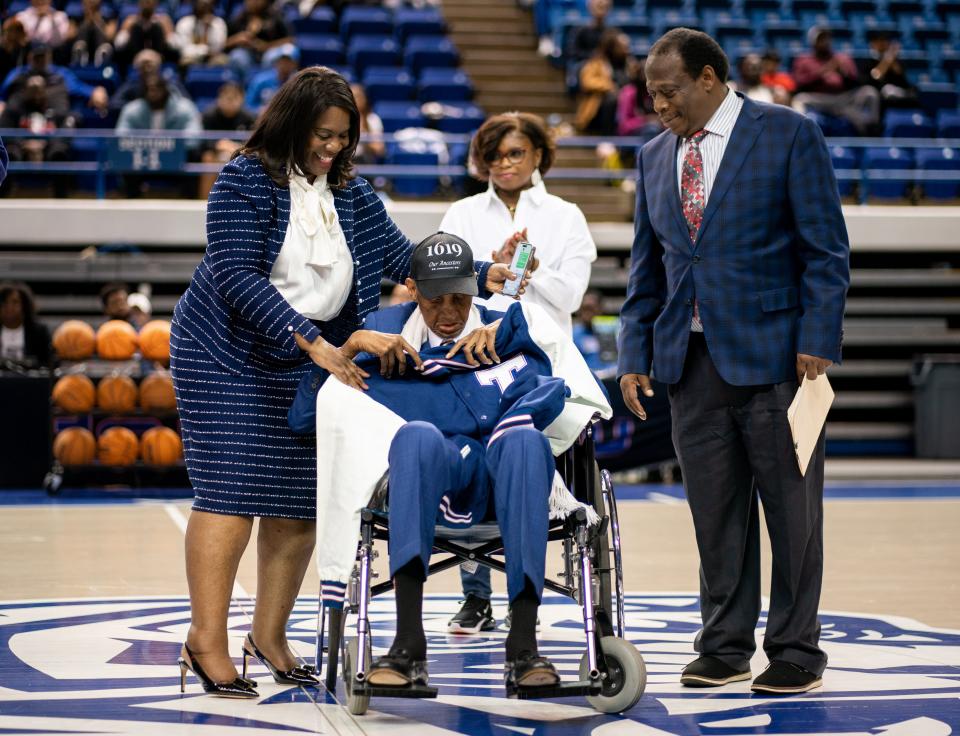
{"x": 896, "y": 557}
{"x": 93, "y": 609}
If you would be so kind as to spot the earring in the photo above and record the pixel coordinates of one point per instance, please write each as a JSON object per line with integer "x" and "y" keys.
{"x": 535, "y": 178}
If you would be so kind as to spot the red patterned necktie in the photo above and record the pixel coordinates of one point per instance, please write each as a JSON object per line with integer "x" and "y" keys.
{"x": 693, "y": 197}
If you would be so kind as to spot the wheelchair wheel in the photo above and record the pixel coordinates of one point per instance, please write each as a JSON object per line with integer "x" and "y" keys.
{"x": 626, "y": 676}
{"x": 356, "y": 704}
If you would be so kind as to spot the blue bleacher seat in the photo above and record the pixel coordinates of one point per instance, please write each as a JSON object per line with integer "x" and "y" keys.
{"x": 777, "y": 31}
{"x": 461, "y": 118}
{"x": 844, "y": 160}
{"x": 323, "y": 49}
{"x": 443, "y": 84}
{"x": 74, "y": 10}
{"x": 363, "y": 20}
{"x": 939, "y": 159}
{"x": 702, "y": 5}
{"x": 728, "y": 29}
{"x": 365, "y": 51}
{"x": 413, "y": 186}
{"x": 948, "y": 124}
{"x": 16, "y": 6}
{"x": 418, "y": 22}
{"x": 937, "y": 96}
{"x": 907, "y": 124}
{"x": 663, "y": 20}
{"x": 831, "y": 125}
{"x": 947, "y": 9}
{"x": 396, "y": 115}
{"x": 766, "y": 6}
{"x": 424, "y": 51}
{"x": 886, "y": 159}
{"x": 205, "y": 81}
{"x": 905, "y": 7}
{"x": 847, "y": 7}
{"x": 389, "y": 83}
{"x": 809, "y": 6}
{"x": 104, "y": 76}
{"x": 320, "y": 20}
{"x": 923, "y": 30}
{"x": 632, "y": 23}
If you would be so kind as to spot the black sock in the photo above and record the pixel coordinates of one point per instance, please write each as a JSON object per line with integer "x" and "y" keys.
{"x": 408, "y": 588}
{"x": 523, "y": 625}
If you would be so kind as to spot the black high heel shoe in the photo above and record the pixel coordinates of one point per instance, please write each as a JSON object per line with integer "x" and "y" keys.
{"x": 238, "y": 688}
{"x": 299, "y": 675}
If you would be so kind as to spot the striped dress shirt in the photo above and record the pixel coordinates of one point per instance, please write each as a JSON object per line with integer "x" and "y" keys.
{"x": 718, "y": 127}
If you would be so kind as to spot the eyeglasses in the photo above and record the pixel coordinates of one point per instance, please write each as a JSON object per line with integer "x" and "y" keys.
{"x": 513, "y": 156}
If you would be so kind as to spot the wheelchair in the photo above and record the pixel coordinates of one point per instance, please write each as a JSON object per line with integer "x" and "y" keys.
{"x": 612, "y": 674}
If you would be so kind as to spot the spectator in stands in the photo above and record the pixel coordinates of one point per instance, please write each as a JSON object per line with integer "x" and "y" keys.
{"x": 23, "y": 340}
{"x": 732, "y": 334}
{"x": 284, "y": 61}
{"x": 635, "y": 114}
{"x": 202, "y": 36}
{"x": 146, "y": 29}
{"x": 274, "y": 223}
{"x": 255, "y": 29}
{"x": 828, "y": 82}
{"x": 46, "y": 24}
{"x": 600, "y": 80}
{"x": 511, "y": 152}
{"x": 93, "y": 40}
{"x": 884, "y": 72}
{"x": 13, "y": 46}
{"x": 227, "y": 113}
{"x": 114, "y": 298}
{"x": 158, "y": 109}
{"x": 140, "y": 309}
{"x": 61, "y": 83}
{"x": 147, "y": 63}
{"x": 32, "y": 109}
{"x": 584, "y": 42}
{"x": 749, "y": 72}
{"x": 372, "y": 150}
{"x": 780, "y": 83}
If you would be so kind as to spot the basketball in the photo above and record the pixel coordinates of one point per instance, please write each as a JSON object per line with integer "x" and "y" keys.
{"x": 74, "y": 340}
{"x": 117, "y": 393}
{"x": 155, "y": 340}
{"x": 74, "y": 393}
{"x": 156, "y": 392}
{"x": 160, "y": 446}
{"x": 74, "y": 446}
{"x": 118, "y": 446}
{"x": 116, "y": 340}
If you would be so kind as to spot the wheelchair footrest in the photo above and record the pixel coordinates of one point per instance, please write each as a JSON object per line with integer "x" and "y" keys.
{"x": 409, "y": 691}
{"x": 562, "y": 690}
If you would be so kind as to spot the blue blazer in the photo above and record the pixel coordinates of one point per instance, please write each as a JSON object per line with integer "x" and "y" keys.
{"x": 769, "y": 267}
{"x": 230, "y": 305}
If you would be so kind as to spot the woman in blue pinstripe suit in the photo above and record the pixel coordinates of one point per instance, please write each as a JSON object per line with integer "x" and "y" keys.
{"x": 296, "y": 249}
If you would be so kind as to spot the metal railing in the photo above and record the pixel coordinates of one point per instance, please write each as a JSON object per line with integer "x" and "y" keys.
{"x": 105, "y": 162}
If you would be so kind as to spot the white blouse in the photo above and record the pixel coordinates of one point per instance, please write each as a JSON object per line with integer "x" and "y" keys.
{"x": 314, "y": 270}
{"x": 557, "y": 229}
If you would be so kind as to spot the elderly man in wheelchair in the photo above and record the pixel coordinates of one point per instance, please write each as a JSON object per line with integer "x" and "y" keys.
{"x": 482, "y": 401}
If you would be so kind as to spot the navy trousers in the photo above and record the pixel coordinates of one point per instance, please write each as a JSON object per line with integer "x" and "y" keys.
{"x": 517, "y": 469}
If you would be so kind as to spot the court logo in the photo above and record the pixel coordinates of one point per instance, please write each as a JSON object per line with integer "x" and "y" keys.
{"x": 109, "y": 666}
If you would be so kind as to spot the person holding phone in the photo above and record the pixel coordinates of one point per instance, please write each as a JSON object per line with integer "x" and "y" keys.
{"x": 511, "y": 152}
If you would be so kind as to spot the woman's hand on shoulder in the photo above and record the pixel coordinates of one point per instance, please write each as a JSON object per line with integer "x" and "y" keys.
{"x": 337, "y": 361}
{"x": 391, "y": 349}
{"x": 478, "y": 346}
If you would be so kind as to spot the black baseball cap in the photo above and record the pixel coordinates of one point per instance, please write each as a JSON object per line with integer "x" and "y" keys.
{"x": 443, "y": 264}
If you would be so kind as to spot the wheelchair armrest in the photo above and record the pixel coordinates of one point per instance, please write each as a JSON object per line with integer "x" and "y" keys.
{"x": 378, "y": 501}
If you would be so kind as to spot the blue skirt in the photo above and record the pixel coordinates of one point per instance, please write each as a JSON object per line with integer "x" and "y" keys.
{"x": 241, "y": 456}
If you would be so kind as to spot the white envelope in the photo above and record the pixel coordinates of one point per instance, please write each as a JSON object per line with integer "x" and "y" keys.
{"x": 806, "y": 416}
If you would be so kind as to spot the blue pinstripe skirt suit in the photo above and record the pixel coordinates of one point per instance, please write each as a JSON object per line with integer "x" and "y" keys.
{"x": 234, "y": 359}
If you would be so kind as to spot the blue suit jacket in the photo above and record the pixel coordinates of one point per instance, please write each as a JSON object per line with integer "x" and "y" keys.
{"x": 769, "y": 267}
{"x": 230, "y": 306}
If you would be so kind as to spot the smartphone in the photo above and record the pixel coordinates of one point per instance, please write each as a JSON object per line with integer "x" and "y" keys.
{"x": 520, "y": 265}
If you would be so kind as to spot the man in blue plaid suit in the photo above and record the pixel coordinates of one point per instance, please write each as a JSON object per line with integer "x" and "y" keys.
{"x": 738, "y": 279}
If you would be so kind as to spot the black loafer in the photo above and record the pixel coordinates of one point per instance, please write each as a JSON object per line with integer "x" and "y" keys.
{"x": 530, "y": 670}
{"x": 707, "y": 671}
{"x": 397, "y": 669}
{"x": 785, "y": 678}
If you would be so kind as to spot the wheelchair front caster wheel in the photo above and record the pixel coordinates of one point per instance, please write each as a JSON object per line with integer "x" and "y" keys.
{"x": 356, "y": 704}
{"x": 626, "y": 676}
